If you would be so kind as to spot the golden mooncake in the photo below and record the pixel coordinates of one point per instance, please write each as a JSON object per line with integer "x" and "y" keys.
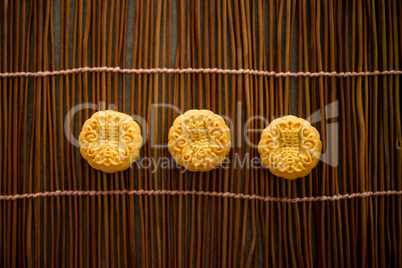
{"x": 199, "y": 140}
{"x": 290, "y": 147}
{"x": 110, "y": 141}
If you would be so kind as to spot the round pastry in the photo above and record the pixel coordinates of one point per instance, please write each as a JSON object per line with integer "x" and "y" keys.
{"x": 110, "y": 141}
{"x": 290, "y": 147}
{"x": 199, "y": 140}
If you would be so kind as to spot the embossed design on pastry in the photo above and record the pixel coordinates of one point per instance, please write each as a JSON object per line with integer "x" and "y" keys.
{"x": 199, "y": 140}
{"x": 110, "y": 141}
{"x": 290, "y": 147}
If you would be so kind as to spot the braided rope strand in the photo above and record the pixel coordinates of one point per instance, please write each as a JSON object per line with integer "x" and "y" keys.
{"x": 202, "y": 193}
{"x": 197, "y": 71}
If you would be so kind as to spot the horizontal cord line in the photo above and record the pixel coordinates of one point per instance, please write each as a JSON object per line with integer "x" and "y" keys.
{"x": 198, "y": 193}
{"x": 197, "y": 70}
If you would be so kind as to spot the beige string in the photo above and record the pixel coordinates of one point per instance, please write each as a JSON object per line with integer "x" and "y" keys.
{"x": 204, "y": 193}
{"x": 197, "y": 71}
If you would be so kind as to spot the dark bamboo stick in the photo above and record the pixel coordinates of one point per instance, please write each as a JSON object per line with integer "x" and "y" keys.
{"x": 233, "y": 60}
{"x": 165, "y": 217}
{"x": 323, "y": 138}
{"x": 24, "y": 90}
{"x": 169, "y": 121}
{"x": 142, "y": 202}
{"x": 214, "y": 92}
{"x": 238, "y": 38}
{"x": 245, "y": 46}
{"x": 15, "y": 154}
{"x": 1, "y": 143}
{"x": 375, "y": 126}
{"x": 349, "y": 140}
{"x": 398, "y": 144}
{"x": 89, "y": 246}
{"x": 336, "y": 209}
{"x": 362, "y": 139}
{"x": 134, "y": 109}
{"x": 8, "y": 97}
{"x": 80, "y": 218}
{"x": 37, "y": 146}
{"x": 271, "y": 109}
{"x": 343, "y": 135}
{"x": 93, "y": 222}
{"x": 46, "y": 88}
{"x": 156, "y": 99}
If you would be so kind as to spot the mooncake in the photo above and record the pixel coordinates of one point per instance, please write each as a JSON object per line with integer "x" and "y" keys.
{"x": 199, "y": 140}
{"x": 290, "y": 147}
{"x": 110, "y": 141}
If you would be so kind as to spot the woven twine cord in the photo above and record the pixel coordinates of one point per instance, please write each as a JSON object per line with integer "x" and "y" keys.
{"x": 198, "y": 193}
{"x": 197, "y": 71}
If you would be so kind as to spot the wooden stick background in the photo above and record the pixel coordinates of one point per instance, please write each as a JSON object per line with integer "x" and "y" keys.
{"x": 359, "y": 119}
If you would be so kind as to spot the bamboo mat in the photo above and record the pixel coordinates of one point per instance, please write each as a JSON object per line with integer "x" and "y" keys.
{"x": 335, "y": 63}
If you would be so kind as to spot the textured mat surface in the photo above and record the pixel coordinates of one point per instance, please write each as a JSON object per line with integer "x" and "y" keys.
{"x": 334, "y": 63}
